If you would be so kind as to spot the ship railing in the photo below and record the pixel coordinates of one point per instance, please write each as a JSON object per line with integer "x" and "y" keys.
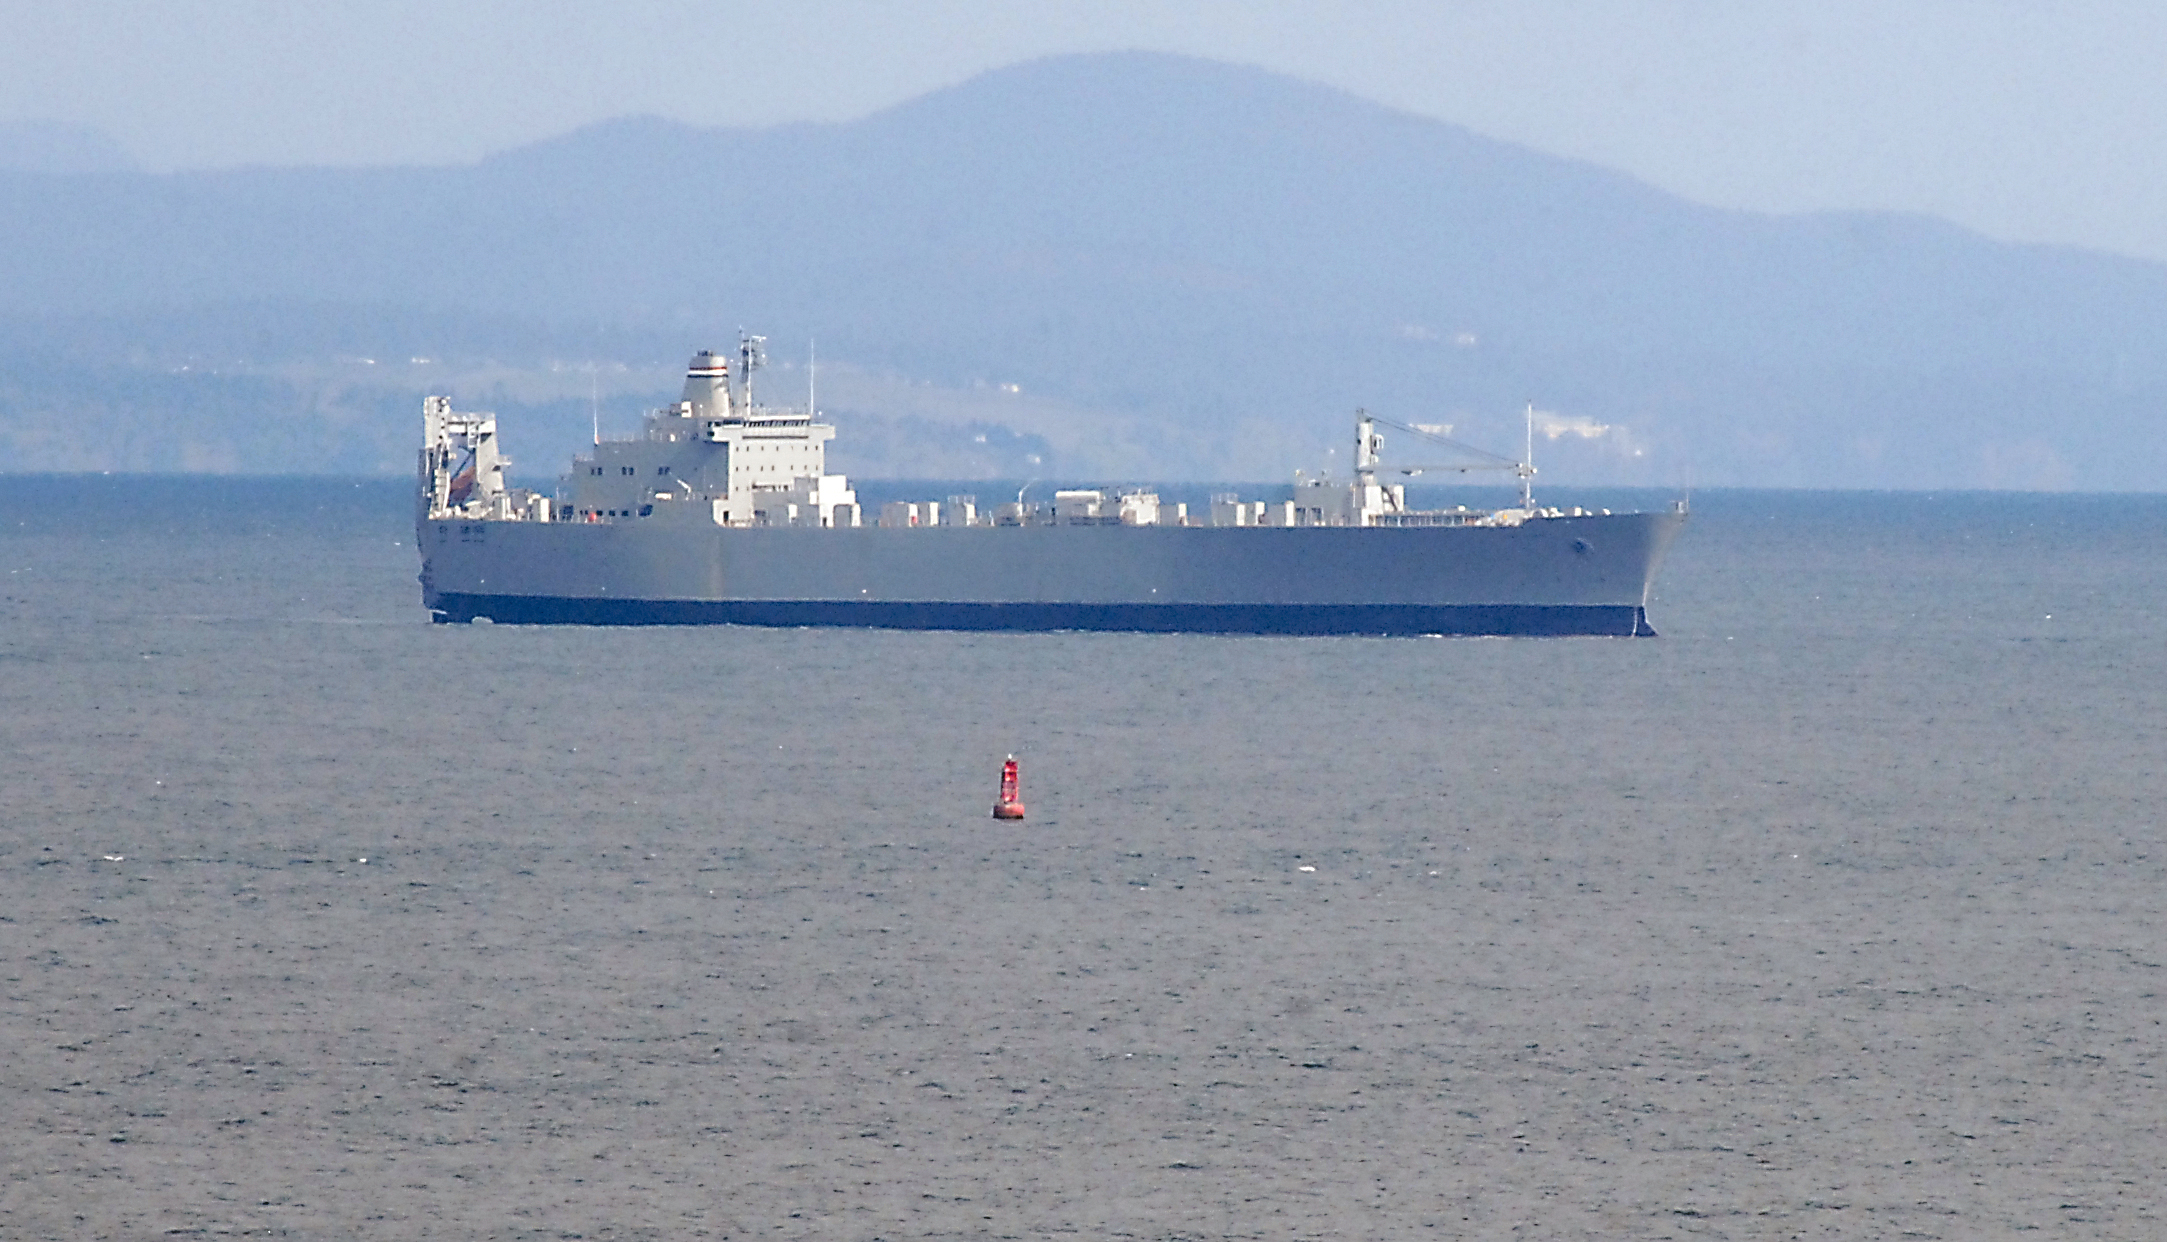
{"x": 1429, "y": 517}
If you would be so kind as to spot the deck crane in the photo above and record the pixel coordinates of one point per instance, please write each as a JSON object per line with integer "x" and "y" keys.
{"x": 1368, "y": 446}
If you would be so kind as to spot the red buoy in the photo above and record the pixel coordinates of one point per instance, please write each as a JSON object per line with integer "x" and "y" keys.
{"x": 1011, "y": 804}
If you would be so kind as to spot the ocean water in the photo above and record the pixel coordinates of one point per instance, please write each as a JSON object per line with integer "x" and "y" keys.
{"x": 1834, "y": 912}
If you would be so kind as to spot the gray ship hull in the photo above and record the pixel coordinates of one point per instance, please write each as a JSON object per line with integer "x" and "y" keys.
{"x": 1549, "y": 576}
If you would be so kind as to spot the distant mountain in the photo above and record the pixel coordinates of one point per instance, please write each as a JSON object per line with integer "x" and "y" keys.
{"x": 38, "y": 146}
{"x": 1195, "y": 269}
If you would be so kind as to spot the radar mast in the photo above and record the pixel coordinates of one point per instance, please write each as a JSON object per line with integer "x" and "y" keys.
{"x": 751, "y": 356}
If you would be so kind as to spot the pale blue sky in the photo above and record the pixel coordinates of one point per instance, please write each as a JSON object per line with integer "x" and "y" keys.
{"x": 2038, "y": 121}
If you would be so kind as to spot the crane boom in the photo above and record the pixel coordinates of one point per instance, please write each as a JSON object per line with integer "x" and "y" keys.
{"x": 1369, "y": 453}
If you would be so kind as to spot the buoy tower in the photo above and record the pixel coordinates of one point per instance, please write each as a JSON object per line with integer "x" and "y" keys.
{"x": 1011, "y": 804}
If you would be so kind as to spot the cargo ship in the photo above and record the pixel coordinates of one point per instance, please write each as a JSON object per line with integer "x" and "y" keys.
{"x": 721, "y": 511}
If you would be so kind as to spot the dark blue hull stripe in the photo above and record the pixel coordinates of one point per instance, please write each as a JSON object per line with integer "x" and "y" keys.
{"x": 1530, "y": 619}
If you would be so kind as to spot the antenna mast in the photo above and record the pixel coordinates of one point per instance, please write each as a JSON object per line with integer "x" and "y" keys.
{"x": 750, "y": 358}
{"x": 812, "y": 378}
{"x": 1527, "y": 464}
{"x": 594, "y": 400}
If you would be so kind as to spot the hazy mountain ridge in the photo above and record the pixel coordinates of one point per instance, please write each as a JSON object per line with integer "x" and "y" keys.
{"x": 58, "y": 147}
{"x": 1238, "y": 257}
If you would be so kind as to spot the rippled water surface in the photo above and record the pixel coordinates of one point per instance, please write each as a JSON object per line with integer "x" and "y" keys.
{"x": 1835, "y": 911}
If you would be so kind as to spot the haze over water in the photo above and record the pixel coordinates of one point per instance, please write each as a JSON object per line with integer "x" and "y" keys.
{"x": 1835, "y": 910}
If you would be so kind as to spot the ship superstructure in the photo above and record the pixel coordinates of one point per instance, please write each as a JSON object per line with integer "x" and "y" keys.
{"x": 722, "y": 511}
{"x": 715, "y": 458}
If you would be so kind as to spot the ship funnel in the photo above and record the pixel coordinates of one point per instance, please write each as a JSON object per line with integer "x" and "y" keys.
{"x": 707, "y": 384}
